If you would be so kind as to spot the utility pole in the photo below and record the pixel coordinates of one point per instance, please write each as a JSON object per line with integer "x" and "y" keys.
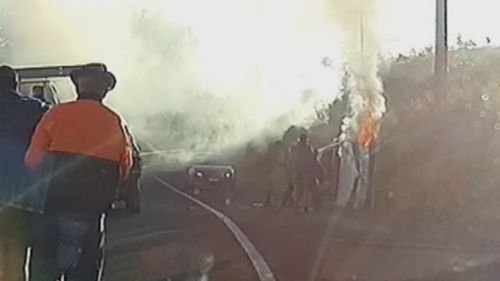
{"x": 441, "y": 53}
{"x": 362, "y": 32}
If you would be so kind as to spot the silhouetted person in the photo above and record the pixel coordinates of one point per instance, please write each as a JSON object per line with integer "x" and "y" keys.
{"x": 84, "y": 150}
{"x": 305, "y": 172}
{"x": 38, "y": 93}
{"x": 18, "y": 118}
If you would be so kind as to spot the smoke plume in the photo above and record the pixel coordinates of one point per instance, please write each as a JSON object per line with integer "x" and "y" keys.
{"x": 359, "y": 25}
{"x": 192, "y": 74}
{"x": 206, "y": 75}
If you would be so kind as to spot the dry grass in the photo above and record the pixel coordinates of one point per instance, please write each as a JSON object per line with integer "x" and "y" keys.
{"x": 441, "y": 154}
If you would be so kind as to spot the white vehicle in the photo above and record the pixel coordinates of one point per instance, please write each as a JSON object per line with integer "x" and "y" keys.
{"x": 38, "y": 82}
{"x": 42, "y": 89}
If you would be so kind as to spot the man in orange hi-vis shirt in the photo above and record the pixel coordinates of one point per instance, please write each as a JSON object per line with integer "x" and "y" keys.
{"x": 83, "y": 152}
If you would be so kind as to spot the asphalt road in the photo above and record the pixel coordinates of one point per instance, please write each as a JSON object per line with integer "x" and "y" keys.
{"x": 172, "y": 239}
{"x": 175, "y": 238}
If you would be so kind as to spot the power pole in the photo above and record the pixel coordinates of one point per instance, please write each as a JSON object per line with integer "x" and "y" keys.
{"x": 362, "y": 32}
{"x": 441, "y": 55}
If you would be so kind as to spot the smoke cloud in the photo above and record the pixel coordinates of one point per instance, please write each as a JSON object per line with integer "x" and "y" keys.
{"x": 205, "y": 75}
{"x": 360, "y": 26}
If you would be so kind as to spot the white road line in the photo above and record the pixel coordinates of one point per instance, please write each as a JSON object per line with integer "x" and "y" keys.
{"x": 258, "y": 262}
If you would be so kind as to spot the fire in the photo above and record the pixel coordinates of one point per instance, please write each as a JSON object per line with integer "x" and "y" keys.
{"x": 367, "y": 129}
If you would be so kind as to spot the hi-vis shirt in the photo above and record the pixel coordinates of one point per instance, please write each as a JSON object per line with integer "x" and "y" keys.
{"x": 83, "y": 127}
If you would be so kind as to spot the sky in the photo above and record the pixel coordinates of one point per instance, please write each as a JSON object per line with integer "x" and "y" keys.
{"x": 410, "y": 23}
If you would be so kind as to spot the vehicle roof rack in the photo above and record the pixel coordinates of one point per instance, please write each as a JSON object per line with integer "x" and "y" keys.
{"x": 46, "y": 71}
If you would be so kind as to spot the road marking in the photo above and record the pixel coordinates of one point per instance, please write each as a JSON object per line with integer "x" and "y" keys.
{"x": 260, "y": 265}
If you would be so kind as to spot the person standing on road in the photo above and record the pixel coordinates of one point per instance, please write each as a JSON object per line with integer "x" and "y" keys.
{"x": 275, "y": 162}
{"x": 289, "y": 139}
{"x": 18, "y": 119}
{"x": 288, "y": 199}
{"x": 84, "y": 152}
{"x": 305, "y": 172}
{"x": 329, "y": 161}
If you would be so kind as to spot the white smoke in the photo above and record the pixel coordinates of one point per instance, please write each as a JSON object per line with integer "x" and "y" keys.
{"x": 191, "y": 73}
{"x": 197, "y": 74}
{"x": 359, "y": 23}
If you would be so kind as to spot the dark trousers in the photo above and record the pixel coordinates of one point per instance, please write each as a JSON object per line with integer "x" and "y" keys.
{"x": 91, "y": 262}
{"x": 288, "y": 196}
{"x": 50, "y": 247}
{"x": 307, "y": 193}
{"x": 43, "y": 251}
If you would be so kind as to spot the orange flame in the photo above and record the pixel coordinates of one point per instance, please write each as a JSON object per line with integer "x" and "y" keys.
{"x": 367, "y": 130}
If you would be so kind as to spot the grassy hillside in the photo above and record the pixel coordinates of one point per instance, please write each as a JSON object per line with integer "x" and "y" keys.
{"x": 440, "y": 154}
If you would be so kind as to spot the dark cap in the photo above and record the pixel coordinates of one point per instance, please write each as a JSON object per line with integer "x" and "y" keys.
{"x": 8, "y": 77}
{"x": 95, "y": 69}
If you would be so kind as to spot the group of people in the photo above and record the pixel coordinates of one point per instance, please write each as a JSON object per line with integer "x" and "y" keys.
{"x": 60, "y": 168}
{"x": 299, "y": 170}
{"x": 304, "y": 175}
{"x": 341, "y": 171}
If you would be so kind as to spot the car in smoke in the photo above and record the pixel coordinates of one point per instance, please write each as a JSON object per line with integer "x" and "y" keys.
{"x": 40, "y": 81}
{"x": 213, "y": 182}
